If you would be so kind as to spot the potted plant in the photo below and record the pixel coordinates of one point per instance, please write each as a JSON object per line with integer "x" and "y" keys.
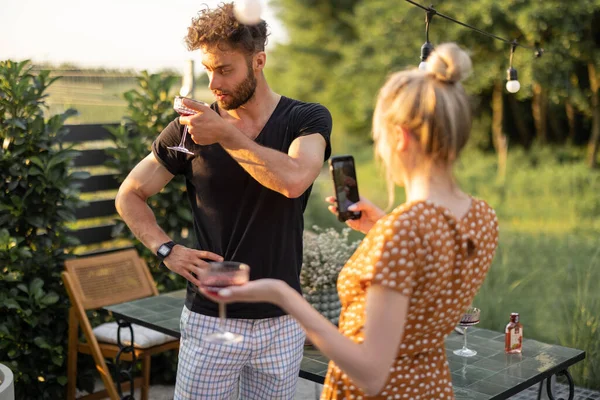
{"x": 325, "y": 253}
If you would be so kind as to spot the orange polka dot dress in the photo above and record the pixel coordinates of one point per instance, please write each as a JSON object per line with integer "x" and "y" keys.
{"x": 439, "y": 263}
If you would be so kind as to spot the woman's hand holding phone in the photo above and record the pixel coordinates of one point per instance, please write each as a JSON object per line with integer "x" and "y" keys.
{"x": 370, "y": 213}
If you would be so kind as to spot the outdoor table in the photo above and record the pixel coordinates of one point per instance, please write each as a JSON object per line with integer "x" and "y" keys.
{"x": 491, "y": 374}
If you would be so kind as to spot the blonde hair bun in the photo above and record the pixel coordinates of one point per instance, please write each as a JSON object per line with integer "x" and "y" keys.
{"x": 449, "y": 63}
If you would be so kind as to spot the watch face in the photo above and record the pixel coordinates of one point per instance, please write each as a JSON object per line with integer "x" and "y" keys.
{"x": 163, "y": 250}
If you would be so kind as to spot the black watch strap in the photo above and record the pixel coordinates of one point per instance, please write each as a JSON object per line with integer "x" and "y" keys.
{"x": 165, "y": 249}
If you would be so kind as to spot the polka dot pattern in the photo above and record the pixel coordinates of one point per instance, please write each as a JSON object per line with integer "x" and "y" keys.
{"x": 439, "y": 263}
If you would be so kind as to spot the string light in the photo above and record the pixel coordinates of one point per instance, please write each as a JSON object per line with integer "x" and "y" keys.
{"x": 427, "y": 47}
{"x": 512, "y": 81}
{"x": 512, "y": 84}
{"x": 247, "y": 12}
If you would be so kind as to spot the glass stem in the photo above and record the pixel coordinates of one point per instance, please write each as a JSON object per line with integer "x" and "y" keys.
{"x": 185, "y": 129}
{"x": 465, "y": 342}
{"x": 222, "y": 317}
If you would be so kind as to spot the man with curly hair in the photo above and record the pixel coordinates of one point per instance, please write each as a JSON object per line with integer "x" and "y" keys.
{"x": 256, "y": 156}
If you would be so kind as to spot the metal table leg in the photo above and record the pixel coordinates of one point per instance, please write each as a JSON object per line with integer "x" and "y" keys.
{"x": 549, "y": 386}
{"x": 120, "y": 370}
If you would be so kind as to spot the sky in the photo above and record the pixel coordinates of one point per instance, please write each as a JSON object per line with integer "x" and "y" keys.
{"x": 121, "y": 34}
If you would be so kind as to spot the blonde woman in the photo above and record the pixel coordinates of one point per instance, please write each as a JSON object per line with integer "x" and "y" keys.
{"x": 418, "y": 267}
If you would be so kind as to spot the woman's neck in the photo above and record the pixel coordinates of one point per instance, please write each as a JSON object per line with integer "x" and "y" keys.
{"x": 435, "y": 184}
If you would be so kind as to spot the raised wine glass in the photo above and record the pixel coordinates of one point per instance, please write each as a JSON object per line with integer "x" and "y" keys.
{"x": 216, "y": 277}
{"x": 469, "y": 318}
{"x": 184, "y": 112}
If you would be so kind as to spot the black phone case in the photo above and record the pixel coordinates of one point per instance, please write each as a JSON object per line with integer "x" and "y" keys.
{"x": 337, "y": 162}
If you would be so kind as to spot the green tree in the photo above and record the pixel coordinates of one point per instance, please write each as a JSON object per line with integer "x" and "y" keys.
{"x": 306, "y": 66}
{"x": 568, "y": 73}
{"x": 149, "y": 111}
{"x": 341, "y": 54}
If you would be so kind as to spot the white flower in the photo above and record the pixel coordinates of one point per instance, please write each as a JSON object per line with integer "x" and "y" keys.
{"x": 325, "y": 253}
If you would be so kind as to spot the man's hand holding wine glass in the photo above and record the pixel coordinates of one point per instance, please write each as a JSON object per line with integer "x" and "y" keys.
{"x": 206, "y": 126}
{"x": 188, "y": 262}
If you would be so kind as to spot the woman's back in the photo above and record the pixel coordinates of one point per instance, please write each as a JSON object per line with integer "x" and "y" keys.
{"x": 423, "y": 252}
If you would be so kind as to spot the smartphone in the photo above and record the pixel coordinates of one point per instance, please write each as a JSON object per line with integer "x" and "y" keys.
{"x": 345, "y": 185}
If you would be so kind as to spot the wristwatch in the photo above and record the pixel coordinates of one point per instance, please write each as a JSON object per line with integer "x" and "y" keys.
{"x": 164, "y": 250}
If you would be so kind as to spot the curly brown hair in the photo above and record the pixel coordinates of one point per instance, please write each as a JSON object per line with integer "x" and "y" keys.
{"x": 220, "y": 28}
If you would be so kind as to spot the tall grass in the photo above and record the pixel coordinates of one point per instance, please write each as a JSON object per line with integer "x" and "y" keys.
{"x": 547, "y": 266}
{"x": 551, "y": 280}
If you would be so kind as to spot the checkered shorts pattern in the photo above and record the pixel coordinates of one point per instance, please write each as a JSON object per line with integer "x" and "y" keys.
{"x": 265, "y": 364}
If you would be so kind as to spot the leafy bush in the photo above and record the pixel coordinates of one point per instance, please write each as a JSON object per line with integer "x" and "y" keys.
{"x": 150, "y": 110}
{"x": 325, "y": 253}
{"x": 39, "y": 196}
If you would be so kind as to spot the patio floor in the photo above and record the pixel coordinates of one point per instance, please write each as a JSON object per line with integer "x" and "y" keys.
{"x": 308, "y": 390}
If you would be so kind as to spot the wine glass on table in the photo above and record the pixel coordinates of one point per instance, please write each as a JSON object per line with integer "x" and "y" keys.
{"x": 469, "y": 318}
{"x": 184, "y": 112}
{"x": 217, "y": 276}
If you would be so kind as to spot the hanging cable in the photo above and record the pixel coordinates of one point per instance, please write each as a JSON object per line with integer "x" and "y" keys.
{"x": 538, "y": 50}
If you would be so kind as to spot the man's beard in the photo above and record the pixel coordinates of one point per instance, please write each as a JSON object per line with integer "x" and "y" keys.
{"x": 242, "y": 93}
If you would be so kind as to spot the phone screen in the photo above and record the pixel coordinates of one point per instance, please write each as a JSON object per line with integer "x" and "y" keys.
{"x": 345, "y": 185}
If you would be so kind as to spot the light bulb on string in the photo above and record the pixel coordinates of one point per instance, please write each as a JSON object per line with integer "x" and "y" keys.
{"x": 426, "y": 50}
{"x": 427, "y": 47}
{"x": 512, "y": 81}
{"x": 248, "y": 12}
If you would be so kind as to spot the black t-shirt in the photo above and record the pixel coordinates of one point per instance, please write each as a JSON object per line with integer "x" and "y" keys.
{"x": 237, "y": 217}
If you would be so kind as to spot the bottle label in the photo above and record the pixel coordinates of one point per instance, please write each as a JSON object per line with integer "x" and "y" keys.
{"x": 516, "y": 338}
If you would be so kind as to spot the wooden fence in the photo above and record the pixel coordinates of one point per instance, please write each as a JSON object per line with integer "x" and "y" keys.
{"x": 95, "y": 220}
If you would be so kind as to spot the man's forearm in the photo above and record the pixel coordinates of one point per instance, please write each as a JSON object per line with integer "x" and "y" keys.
{"x": 141, "y": 220}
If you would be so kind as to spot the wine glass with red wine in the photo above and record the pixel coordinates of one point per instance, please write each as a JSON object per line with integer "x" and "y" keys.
{"x": 184, "y": 112}
{"x": 469, "y": 318}
{"x": 217, "y": 276}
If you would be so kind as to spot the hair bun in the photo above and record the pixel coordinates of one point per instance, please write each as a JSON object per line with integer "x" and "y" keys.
{"x": 449, "y": 63}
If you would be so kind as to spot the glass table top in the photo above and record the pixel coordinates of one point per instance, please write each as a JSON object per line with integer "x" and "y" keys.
{"x": 491, "y": 374}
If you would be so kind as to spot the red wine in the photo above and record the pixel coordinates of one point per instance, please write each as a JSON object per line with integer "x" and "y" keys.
{"x": 215, "y": 283}
{"x": 182, "y": 109}
{"x": 214, "y": 289}
{"x": 185, "y": 113}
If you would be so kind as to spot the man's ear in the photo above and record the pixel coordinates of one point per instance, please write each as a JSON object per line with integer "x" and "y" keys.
{"x": 259, "y": 60}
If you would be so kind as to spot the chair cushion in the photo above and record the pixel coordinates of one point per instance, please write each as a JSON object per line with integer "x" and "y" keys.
{"x": 144, "y": 337}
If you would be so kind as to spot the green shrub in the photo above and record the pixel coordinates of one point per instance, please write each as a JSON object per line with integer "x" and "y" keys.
{"x": 149, "y": 111}
{"x": 39, "y": 196}
{"x": 325, "y": 253}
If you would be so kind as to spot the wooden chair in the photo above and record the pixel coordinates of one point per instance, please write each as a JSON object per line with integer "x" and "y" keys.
{"x": 96, "y": 281}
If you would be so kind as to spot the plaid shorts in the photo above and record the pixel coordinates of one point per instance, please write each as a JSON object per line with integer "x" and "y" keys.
{"x": 265, "y": 364}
